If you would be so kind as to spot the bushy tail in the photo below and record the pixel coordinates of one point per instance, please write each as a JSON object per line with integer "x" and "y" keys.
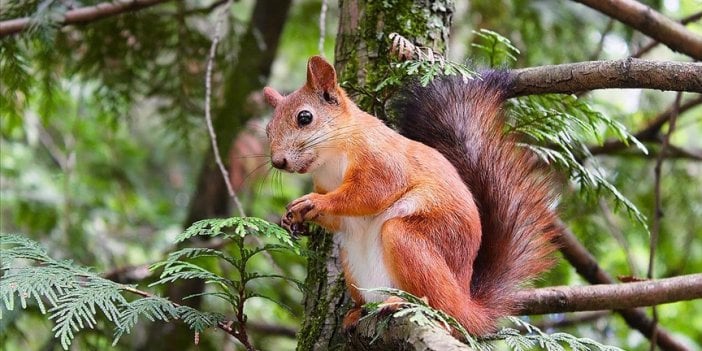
{"x": 463, "y": 121}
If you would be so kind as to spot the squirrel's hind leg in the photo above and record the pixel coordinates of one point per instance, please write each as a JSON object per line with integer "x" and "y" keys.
{"x": 417, "y": 267}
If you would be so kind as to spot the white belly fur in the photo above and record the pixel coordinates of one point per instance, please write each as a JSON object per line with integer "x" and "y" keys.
{"x": 360, "y": 241}
{"x": 360, "y": 236}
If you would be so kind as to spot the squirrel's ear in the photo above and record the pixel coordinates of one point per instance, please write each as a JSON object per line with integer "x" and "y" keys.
{"x": 272, "y": 96}
{"x": 321, "y": 77}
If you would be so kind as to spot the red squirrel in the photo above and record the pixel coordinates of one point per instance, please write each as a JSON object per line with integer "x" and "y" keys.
{"x": 451, "y": 209}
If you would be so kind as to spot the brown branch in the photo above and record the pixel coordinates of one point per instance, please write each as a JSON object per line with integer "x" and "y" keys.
{"x": 586, "y": 265}
{"x": 82, "y": 15}
{"x": 576, "y": 319}
{"x": 271, "y": 329}
{"x": 653, "y": 43}
{"x": 624, "y": 73}
{"x": 402, "y": 334}
{"x": 652, "y": 23}
{"x": 648, "y": 133}
{"x": 560, "y": 299}
{"x": 671, "y": 152}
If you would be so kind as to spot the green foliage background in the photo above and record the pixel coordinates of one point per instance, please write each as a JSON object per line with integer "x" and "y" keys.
{"x": 103, "y": 135}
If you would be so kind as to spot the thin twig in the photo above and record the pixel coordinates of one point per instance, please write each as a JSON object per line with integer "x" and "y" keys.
{"x": 208, "y": 107}
{"x": 207, "y": 9}
{"x": 617, "y": 234}
{"x": 600, "y": 44}
{"x": 322, "y": 26}
{"x": 658, "y": 211}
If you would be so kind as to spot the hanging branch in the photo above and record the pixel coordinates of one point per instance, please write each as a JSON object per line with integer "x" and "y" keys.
{"x": 652, "y": 23}
{"x": 82, "y": 15}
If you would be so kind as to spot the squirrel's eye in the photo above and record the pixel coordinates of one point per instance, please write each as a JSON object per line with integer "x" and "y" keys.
{"x": 304, "y": 118}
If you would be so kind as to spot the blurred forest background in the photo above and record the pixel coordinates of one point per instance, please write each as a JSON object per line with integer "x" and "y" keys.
{"x": 105, "y": 155}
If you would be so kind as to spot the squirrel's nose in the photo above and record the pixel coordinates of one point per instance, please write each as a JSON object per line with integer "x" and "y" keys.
{"x": 279, "y": 162}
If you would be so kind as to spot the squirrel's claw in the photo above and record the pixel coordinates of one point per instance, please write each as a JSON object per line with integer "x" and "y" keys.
{"x": 296, "y": 229}
{"x": 298, "y": 211}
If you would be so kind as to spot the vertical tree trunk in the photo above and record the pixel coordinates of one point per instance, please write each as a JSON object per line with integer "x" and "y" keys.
{"x": 257, "y": 51}
{"x": 361, "y": 61}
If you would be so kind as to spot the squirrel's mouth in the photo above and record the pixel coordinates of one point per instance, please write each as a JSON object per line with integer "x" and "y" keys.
{"x": 305, "y": 167}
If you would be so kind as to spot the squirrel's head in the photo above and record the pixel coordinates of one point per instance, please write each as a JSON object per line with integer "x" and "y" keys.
{"x": 305, "y": 124}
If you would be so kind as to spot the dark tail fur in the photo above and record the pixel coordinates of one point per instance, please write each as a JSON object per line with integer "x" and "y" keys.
{"x": 463, "y": 121}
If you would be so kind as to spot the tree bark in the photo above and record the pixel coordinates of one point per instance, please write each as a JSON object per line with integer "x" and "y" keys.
{"x": 560, "y": 299}
{"x": 624, "y": 73}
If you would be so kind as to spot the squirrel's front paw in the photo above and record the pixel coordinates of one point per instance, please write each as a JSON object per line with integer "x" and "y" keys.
{"x": 296, "y": 229}
{"x": 298, "y": 211}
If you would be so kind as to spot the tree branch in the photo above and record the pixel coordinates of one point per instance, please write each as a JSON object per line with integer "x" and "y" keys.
{"x": 648, "y": 133}
{"x": 403, "y": 334}
{"x": 586, "y": 265}
{"x": 671, "y": 152}
{"x": 624, "y": 73}
{"x": 82, "y": 15}
{"x": 653, "y": 43}
{"x": 610, "y": 296}
{"x": 652, "y": 23}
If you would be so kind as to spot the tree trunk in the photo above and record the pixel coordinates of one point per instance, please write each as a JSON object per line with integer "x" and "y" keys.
{"x": 361, "y": 61}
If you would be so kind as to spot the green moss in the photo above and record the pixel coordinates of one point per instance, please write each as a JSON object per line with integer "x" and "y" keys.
{"x": 368, "y": 62}
{"x": 319, "y": 297}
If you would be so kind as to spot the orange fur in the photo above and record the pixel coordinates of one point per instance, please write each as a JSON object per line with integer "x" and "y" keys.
{"x": 407, "y": 218}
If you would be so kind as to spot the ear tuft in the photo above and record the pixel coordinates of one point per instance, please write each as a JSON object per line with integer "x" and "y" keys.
{"x": 272, "y": 96}
{"x": 321, "y": 75}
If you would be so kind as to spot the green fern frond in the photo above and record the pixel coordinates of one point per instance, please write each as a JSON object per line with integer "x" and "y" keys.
{"x": 75, "y": 294}
{"x": 75, "y": 297}
{"x": 182, "y": 270}
{"x": 239, "y": 227}
{"x": 549, "y": 342}
{"x": 498, "y": 49}
{"x": 197, "y": 320}
{"x": 152, "y": 308}
{"x": 419, "y": 312}
{"x": 560, "y": 126}
{"x": 77, "y": 309}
